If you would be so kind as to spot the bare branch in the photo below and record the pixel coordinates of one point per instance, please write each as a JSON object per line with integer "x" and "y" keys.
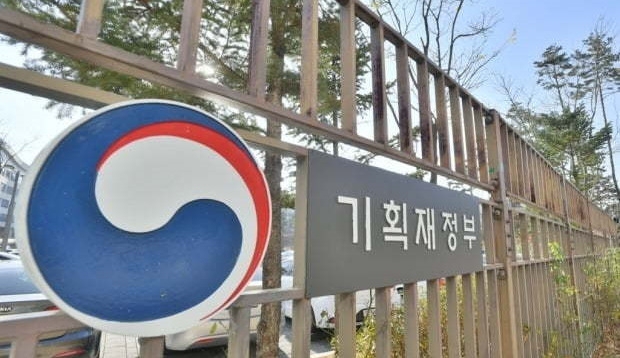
{"x": 426, "y": 8}
{"x": 452, "y": 31}
{"x": 437, "y": 16}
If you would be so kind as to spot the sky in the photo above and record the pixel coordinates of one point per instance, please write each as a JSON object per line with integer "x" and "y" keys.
{"x": 539, "y": 24}
{"x": 24, "y": 121}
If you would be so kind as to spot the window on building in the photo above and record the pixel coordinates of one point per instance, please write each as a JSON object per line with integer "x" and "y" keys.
{"x": 4, "y": 203}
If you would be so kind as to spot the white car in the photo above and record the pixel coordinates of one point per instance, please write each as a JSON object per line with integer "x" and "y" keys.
{"x": 324, "y": 308}
{"x": 214, "y": 331}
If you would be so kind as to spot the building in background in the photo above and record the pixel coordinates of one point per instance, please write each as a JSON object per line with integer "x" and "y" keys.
{"x": 12, "y": 168}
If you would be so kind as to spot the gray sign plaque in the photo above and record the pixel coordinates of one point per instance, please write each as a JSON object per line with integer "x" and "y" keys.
{"x": 368, "y": 228}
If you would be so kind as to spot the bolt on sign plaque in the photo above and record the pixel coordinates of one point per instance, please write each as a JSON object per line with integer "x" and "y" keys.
{"x": 368, "y": 227}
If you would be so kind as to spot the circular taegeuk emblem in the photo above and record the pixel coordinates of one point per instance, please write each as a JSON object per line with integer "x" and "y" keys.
{"x": 144, "y": 218}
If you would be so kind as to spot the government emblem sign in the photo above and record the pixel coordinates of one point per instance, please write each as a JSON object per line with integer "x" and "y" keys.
{"x": 144, "y": 218}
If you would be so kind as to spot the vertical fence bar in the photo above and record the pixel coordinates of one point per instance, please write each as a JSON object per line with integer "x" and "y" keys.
{"x": 89, "y": 22}
{"x": 524, "y": 235}
{"x": 348, "y": 66}
{"x": 309, "y": 58}
{"x": 239, "y": 332}
{"x": 495, "y": 349}
{"x": 482, "y": 328}
{"x": 533, "y": 309}
{"x": 557, "y": 209}
{"x": 519, "y": 164}
{"x": 506, "y": 157}
{"x": 556, "y": 239}
{"x": 514, "y": 166}
{"x": 443, "y": 135}
{"x": 302, "y": 320}
{"x": 457, "y": 128}
{"x": 412, "y": 329}
{"x": 545, "y": 225}
{"x": 426, "y": 122}
{"x": 519, "y": 307}
{"x": 558, "y": 196}
{"x": 510, "y": 160}
{"x": 526, "y": 305}
{"x": 489, "y": 239}
{"x": 434, "y": 318}
{"x": 549, "y": 294}
{"x": 483, "y": 166}
{"x": 404, "y": 98}
{"x": 540, "y": 196}
{"x": 535, "y": 237}
{"x": 493, "y": 316}
{"x": 470, "y": 137}
{"x": 382, "y": 317}
{"x": 151, "y": 347}
{"x": 345, "y": 323}
{"x": 543, "y": 296}
{"x": 452, "y": 303}
{"x": 545, "y": 183}
{"x": 503, "y": 235}
{"x": 537, "y": 321}
{"x": 550, "y": 181}
{"x": 309, "y": 67}
{"x": 469, "y": 324}
{"x": 257, "y": 71}
{"x": 379, "y": 98}
{"x": 189, "y": 35}
{"x": 527, "y": 190}
{"x": 532, "y": 171}
{"x": 24, "y": 347}
{"x": 571, "y": 260}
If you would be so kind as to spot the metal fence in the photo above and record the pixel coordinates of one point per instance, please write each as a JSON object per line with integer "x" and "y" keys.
{"x": 510, "y": 309}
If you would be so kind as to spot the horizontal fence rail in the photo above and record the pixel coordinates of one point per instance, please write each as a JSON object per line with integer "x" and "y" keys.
{"x": 510, "y": 309}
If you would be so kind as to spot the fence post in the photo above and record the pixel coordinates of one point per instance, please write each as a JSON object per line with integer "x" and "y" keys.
{"x": 189, "y": 35}
{"x": 89, "y": 22}
{"x": 151, "y": 347}
{"x": 502, "y": 224}
{"x": 302, "y": 319}
{"x": 571, "y": 263}
{"x": 257, "y": 72}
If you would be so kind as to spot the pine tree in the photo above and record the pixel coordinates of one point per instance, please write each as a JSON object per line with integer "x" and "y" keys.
{"x": 554, "y": 70}
{"x": 570, "y": 141}
{"x": 598, "y": 66}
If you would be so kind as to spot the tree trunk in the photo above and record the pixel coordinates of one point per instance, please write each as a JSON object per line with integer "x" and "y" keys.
{"x": 269, "y": 324}
{"x": 609, "y": 147}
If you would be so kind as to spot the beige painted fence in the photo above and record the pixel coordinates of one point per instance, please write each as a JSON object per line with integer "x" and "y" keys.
{"x": 510, "y": 309}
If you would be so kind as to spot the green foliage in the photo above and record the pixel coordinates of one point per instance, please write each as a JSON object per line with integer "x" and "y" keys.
{"x": 602, "y": 294}
{"x": 287, "y": 200}
{"x": 366, "y": 334}
{"x": 571, "y": 143}
{"x": 566, "y": 134}
{"x": 563, "y": 338}
{"x": 600, "y": 319}
{"x": 554, "y": 71}
{"x": 134, "y": 26}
